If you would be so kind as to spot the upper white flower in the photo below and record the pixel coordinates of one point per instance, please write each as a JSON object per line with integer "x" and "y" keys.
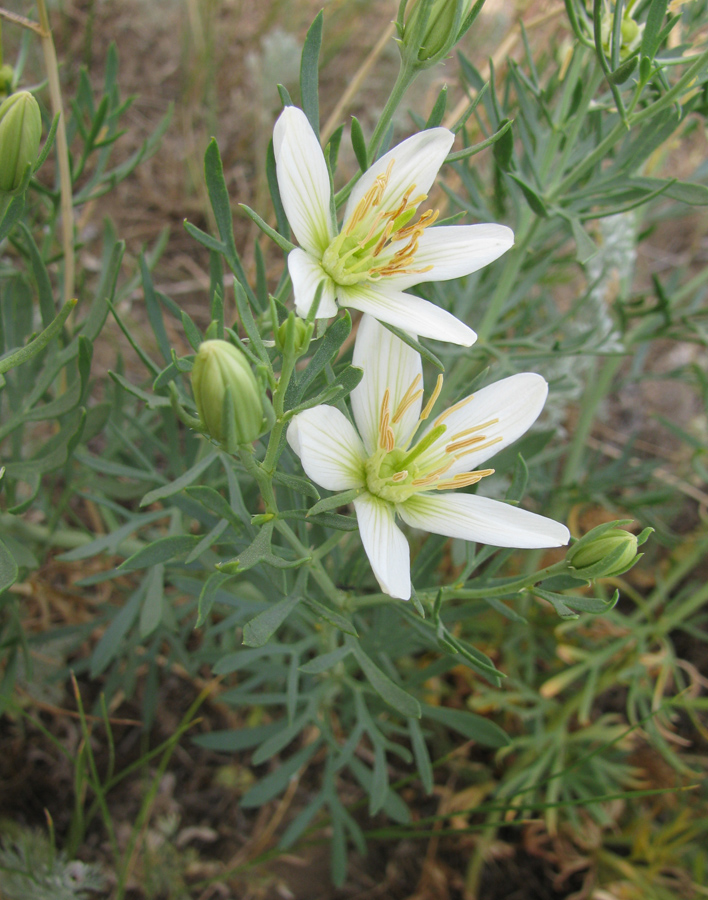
{"x": 380, "y": 250}
{"x": 400, "y": 469}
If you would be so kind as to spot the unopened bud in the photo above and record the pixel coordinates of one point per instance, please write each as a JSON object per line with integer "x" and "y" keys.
{"x": 296, "y": 330}
{"x": 20, "y": 132}
{"x": 226, "y": 393}
{"x": 434, "y": 37}
{"x": 606, "y": 551}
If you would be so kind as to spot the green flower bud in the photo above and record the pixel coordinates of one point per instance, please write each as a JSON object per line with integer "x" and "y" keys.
{"x": 224, "y": 386}
{"x": 20, "y": 131}
{"x": 615, "y": 546}
{"x": 296, "y": 330}
{"x": 431, "y": 39}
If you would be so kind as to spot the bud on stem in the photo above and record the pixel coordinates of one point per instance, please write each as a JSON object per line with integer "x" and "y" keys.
{"x": 227, "y": 395}
{"x": 20, "y": 132}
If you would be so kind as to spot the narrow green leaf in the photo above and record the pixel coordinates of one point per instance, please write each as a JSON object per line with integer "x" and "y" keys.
{"x": 285, "y": 245}
{"x": 298, "y": 825}
{"x": 297, "y": 483}
{"x": 519, "y": 480}
{"x": 191, "y": 331}
{"x": 332, "y": 148}
{"x": 585, "y": 247}
{"x": 437, "y": 113}
{"x": 260, "y": 629}
{"x": 416, "y": 345}
{"x": 214, "y": 583}
{"x": 468, "y": 724}
{"x": 160, "y": 551}
{"x": 174, "y": 487}
{"x": 359, "y": 144}
{"x": 15, "y": 358}
{"x": 281, "y": 739}
{"x": 206, "y": 240}
{"x": 326, "y": 661}
{"x": 277, "y": 781}
{"x": 154, "y": 311}
{"x": 532, "y": 197}
{"x": 41, "y": 277}
{"x": 231, "y": 741}
{"x": 215, "y": 503}
{"x": 390, "y": 692}
{"x": 107, "y": 648}
{"x": 504, "y": 146}
{"x": 249, "y": 324}
{"x": 151, "y": 611}
{"x": 221, "y": 205}
{"x": 9, "y": 569}
{"x": 309, "y": 73}
{"x": 422, "y": 757}
{"x": 334, "y": 618}
{"x": 334, "y": 502}
{"x": 624, "y": 71}
{"x": 652, "y": 28}
{"x": 152, "y": 401}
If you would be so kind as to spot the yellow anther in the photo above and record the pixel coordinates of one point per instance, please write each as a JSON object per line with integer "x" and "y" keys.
{"x": 400, "y": 476}
{"x": 370, "y": 199}
{"x": 463, "y": 479}
{"x": 433, "y": 397}
{"x": 475, "y": 428}
{"x": 465, "y": 445}
{"x": 410, "y": 396}
{"x": 441, "y": 418}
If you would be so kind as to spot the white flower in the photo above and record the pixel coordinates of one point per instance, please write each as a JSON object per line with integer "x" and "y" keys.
{"x": 400, "y": 470}
{"x": 380, "y": 250}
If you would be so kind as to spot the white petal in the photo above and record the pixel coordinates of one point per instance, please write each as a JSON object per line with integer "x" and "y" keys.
{"x": 453, "y": 251}
{"x": 385, "y": 545}
{"x": 387, "y": 363}
{"x": 474, "y": 518}
{"x": 303, "y": 180}
{"x": 330, "y": 450}
{"x": 515, "y": 403}
{"x": 412, "y": 314}
{"x": 306, "y": 274}
{"x": 417, "y": 161}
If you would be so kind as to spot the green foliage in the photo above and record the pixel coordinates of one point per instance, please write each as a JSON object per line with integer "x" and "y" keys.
{"x": 232, "y": 539}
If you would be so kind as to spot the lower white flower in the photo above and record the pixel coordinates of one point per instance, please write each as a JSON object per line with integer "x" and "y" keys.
{"x": 400, "y": 468}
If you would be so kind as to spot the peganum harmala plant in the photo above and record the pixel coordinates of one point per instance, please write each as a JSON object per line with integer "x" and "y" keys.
{"x": 301, "y": 605}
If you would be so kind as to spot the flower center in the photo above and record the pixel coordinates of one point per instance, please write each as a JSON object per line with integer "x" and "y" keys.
{"x": 377, "y": 242}
{"x": 396, "y": 470}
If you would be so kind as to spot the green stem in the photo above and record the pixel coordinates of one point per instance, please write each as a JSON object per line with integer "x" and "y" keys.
{"x": 319, "y": 572}
{"x": 456, "y": 593}
{"x": 67, "y": 199}
{"x": 404, "y": 79}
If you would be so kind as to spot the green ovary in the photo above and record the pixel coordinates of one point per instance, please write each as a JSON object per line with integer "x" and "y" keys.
{"x": 346, "y": 262}
{"x": 380, "y": 470}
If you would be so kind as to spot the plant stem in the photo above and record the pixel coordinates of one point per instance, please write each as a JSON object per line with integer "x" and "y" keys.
{"x": 67, "y": 201}
{"x": 404, "y": 79}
